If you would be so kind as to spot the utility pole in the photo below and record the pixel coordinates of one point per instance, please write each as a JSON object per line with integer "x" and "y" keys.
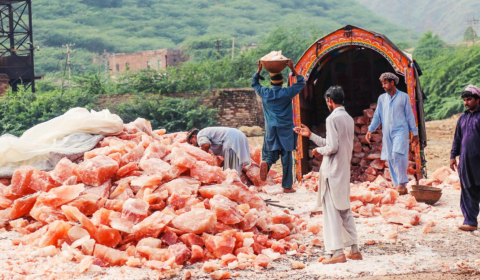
{"x": 105, "y": 61}
{"x": 69, "y": 63}
{"x": 233, "y": 47}
{"x": 473, "y": 22}
{"x": 218, "y": 45}
{"x": 409, "y": 26}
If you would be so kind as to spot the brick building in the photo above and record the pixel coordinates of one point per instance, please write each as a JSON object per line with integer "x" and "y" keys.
{"x": 156, "y": 59}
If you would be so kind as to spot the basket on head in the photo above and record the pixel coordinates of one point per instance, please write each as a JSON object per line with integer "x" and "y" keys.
{"x": 274, "y": 66}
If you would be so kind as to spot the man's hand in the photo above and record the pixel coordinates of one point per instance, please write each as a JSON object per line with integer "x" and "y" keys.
{"x": 453, "y": 164}
{"x": 259, "y": 64}
{"x": 368, "y": 137}
{"x": 304, "y": 131}
{"x": 290, "y": 64}
{"x": 415, "y": 140}
{"x": 315, "y": 153}
{"x": 205, "y": 147}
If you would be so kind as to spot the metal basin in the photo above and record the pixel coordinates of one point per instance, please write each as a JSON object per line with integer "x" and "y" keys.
{"x": 429, "y": 197}
{"x": 274, "y": 66}
{"x": 425, "y": 188}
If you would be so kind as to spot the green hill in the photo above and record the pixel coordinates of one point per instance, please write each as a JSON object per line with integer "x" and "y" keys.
{"x": 446, "y": 18}
{"x": 138, "y": 25}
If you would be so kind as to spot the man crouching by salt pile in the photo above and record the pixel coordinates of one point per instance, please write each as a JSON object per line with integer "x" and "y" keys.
{"x": 229, "y": 143}
{"x": 394, "y": 113}
{"x": 334, "y": 183}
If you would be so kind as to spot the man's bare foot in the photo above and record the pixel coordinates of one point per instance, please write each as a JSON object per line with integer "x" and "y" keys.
{"x": 355, "y": 256}
{"x": 338, "y": 259}
{"x": 263, "y": 170}
{"x": 467, "y": 228}
{"x": 289, "y": 190}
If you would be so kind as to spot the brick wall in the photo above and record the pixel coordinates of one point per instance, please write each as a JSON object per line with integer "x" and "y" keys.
{"x": 4, "y": 84}
{"x": 155, "y": 59}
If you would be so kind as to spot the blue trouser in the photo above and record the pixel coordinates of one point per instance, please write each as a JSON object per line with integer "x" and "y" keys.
{"x": 469, "y": 200}
{"x": 398, "y": 168}
{"x": 271, "y": 157}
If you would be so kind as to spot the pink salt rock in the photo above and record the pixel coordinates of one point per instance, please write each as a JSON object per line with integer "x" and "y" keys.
{"x": 452, "y": 179}
{"x": 169, "y": 237}
{"x": 97, "y": 171}
{"x": 355, "y": 204}
{"x": 150, "y": 242}
{"x": 73, "y": 214}
{"x": 160, "y": 132}
{"x": 442, "y": 173}
{"x": 112, "y": 256}
{"x": 134, "y": 155}
{"x": 88, "y": 203}
{"x": 230, "y": 192}
{"x": 207, "y": 174}
{"x": 4, "y": 202}
{"x": 102, "y": 151}
{"x": 102, "y": 191}
{"x": 115, "y": 205}
{"x": 196, "y": 221}
{"x": 314, "y": 227}
{"x": 56, "y": 231}
{"x": 116, "y": 157}
{"x": 256, "y": 155}
{"x": 262, "y": 260}
{"x": 197, "y": 254}
{"x": 367, "y": 211}
{"x": 181, "y": 159}
{"x": 426, "y": 228}
{"x": 281, "y": 218}
{"x": 253, "y": 173}
{"x": 108, "y": 236}
{"x": 46, "y": 214}
{"x": 151, "y": 226}
{"x": 197, "y": 153}
{"x": 122, "y": 225}
{"x": 145, "y": 181}
{"x": 155, "y": 150}
{"x": 21, "y": 181}
{"x": 63, "y": 170}
{"x": 75, "y": 233}
{"x": 279, "y": 231}
{"x": 220, "y": 245}
{"x": 135, "y": 210}
{"x": 211, "y": 266}
{"x": 129, "y": 167}
{"x": 397, "y": 215}
{"x": 22, "y": 206}
{"x": 381, "y": 182}
{"x": 390, "y": 232}
{"x": 369, "y": 113}
{"x": 191, "y": 239}
{"x": 176, "y": 201}
{"x": 278, "y": 247}
{"x": 389, "y": 196}
{"x": 179, "y": 252}
{"x": 426, "y": 182}
{"x": 249, "y": 220}
{"x": 225, "y": 210}
{"x": 183, "y": 186}
{"x": 41, "y": 181}
{"x": 61, "y": 195}
{"x": 362, "y": 195}
{"x": 71, "y": 181}
{"x": 218, "y": 275}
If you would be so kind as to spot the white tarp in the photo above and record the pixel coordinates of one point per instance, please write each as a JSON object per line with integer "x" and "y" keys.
{"x": 70, "y": 134}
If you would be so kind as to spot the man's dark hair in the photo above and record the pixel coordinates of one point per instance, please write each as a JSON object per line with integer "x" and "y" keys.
{"x": 336, "y": 94}
{"x": 467, "y": 94}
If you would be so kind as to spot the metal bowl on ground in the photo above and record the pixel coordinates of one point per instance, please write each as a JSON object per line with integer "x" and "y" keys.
{"x": 429, "y": 197}
{"x": 274, "y": 66}
{"x": 425, "y": 188}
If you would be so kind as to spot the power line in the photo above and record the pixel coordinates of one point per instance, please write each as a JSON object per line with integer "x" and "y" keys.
{"x": 473, "y": 22}
{"x": 218, "y": 44}
{"x": 69, "y": 63}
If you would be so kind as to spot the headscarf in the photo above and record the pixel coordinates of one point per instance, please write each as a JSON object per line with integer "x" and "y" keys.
{"x": 473, "y": 89}
{"x": 389, "y": 76}
{"x": 276, "y": 78}
{"x": 190, "y": 133}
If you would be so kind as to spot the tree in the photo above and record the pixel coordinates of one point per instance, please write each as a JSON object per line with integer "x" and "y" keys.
{"x": 429, "y": 46}
{"x": 469, "y": 34}
{"x": 104, "y": 3}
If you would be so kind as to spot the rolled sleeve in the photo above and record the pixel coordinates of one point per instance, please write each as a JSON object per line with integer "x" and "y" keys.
{"x": 319, "y": 141}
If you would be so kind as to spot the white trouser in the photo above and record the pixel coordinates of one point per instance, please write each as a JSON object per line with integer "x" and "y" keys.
{"x": 338, "y": 225}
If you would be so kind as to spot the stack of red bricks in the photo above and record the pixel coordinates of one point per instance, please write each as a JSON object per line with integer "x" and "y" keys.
{"x": 366, "y": 162}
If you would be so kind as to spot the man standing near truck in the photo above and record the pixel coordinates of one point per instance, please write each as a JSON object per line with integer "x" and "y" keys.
{"x": 466, "y": 144}
{"x": 279, "y": 139}
{"x": 394, "y": 113}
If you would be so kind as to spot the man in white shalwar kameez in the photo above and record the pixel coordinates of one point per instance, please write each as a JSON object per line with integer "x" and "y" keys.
{"x": 339, "y": 229}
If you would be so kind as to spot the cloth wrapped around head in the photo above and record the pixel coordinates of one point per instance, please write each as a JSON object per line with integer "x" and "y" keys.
{"x": 473, "y": 89}
{"x": 276, "y": 78}
{"x": 389, "y": 76}
{"x": 190, "y": 133}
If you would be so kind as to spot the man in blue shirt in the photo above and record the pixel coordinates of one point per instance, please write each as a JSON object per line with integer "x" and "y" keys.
{"x": 466, "y": 144}
{"x": 280, "y": 139}
{"x": 394, "y": 112}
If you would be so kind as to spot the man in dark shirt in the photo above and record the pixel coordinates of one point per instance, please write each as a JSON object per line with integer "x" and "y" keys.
{"x": 466, "y": 144}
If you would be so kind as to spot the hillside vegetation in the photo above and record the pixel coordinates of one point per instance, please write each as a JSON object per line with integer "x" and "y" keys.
{"x": 445, "y": 17}
{"x": 124, "y": 26}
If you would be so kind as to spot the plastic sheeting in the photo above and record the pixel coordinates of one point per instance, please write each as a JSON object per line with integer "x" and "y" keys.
{"x": 71, "y": 134}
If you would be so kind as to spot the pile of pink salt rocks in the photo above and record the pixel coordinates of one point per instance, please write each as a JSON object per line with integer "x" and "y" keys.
{"x": 144, "y": 198}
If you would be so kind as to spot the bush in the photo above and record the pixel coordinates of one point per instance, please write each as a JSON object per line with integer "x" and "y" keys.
{"x": 173, "y": 114}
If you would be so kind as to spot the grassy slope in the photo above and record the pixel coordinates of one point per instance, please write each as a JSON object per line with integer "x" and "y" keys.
{"x": 138, "y": 25}
{"x": 445, "y": 17}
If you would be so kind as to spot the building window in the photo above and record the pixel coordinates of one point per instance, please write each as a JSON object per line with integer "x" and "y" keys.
{"x": 127, "y": 66}
{"x": 148, "y": 64}
{"x": 174, "y": 60}
{"x": 159, "y": 64}
{"x": 117, "y": 67}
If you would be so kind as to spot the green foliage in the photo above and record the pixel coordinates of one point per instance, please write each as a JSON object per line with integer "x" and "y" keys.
{"x": 469, "y": 34}
{"x": 173, "y": 114}
{"x": 204, "y": 47}
{"x": 447, "y": 71}
{"x": 137, "y": 25}
{"x": 21, "y": 110}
